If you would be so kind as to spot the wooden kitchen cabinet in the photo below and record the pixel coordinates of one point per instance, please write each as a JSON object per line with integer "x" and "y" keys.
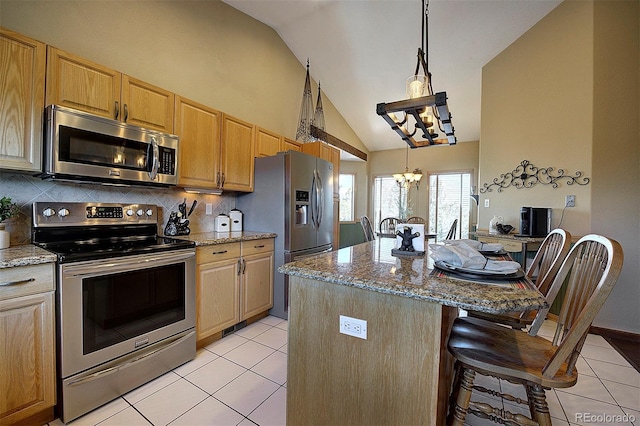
{"x": 78, "y": 83}
{"x": 269, "y": 143}
{"x": 217, "y": 289}
{"x": 234, "y": 283}
{"x": 291, "y": 145}
{"x": 237, "y": 154}
{"x": 27, "y": 345}
{"x": 22, "y": 65}
{"x": 257, "y": 275}
{"x": 198, "y": 127}
{"x": 216, "y": 150}
{"x": 318, "y": 149}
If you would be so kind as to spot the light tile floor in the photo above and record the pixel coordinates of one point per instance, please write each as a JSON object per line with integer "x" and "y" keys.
{"x": 242, "y": 380}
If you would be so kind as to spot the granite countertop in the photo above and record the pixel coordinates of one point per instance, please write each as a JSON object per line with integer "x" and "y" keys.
{"x": 211, "y": 238}
{"x": 24, "y": 255}
{"x": 514, "y": 237}
{"x": 371, "y": 266}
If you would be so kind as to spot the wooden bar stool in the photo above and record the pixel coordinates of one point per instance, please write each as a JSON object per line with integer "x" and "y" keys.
{"x": 542, "y": 272}
{"x": 479, "y": 346}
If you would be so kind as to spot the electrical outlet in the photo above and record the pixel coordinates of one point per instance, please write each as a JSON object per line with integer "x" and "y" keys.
{"x": 486, "y": 202}
{"x": 353, "y": 327}
{"x": 570, "y": 201}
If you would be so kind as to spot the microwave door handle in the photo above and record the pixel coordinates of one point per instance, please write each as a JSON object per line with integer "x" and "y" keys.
{"x": 155, "y": 154}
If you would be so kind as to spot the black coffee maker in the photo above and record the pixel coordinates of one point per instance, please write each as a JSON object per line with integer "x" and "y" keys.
{"x": 535, "y": 221}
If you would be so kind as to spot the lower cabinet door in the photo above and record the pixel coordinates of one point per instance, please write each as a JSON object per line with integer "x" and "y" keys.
{"x": 257, "y": 295}
{"x": 218, "y": 297}
{"x": 27, "y": 356}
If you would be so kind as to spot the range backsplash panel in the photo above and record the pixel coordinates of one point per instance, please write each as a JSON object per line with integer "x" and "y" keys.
{"x": 25, "y": 190}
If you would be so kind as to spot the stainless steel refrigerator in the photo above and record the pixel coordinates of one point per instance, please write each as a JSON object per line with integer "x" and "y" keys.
{"x": 293, "y": 197}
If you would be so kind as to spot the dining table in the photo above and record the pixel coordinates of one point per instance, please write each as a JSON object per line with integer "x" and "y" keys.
{"x": 368, "y": 332}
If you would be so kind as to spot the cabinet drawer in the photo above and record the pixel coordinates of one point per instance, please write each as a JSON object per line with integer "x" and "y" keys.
{"x": 24, "y": 280}
{"x": 257, "y": 246}
{"x": 213, "y": 253}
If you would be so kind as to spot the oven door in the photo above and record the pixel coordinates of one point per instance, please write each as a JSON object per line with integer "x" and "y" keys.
{"x": 113, "y": 307}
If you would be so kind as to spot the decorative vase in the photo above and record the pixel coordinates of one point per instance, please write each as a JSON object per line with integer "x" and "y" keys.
{"x": 493, "y": 224}
{"x": 5, "y": 237}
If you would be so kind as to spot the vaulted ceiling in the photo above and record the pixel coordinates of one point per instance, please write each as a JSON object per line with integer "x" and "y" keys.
{"x": 363, "y": 51}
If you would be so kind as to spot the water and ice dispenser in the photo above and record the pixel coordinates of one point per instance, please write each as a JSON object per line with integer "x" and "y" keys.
{"x": 302, "y": 208}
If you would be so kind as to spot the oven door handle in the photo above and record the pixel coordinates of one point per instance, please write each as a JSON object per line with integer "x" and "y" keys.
{"x": 102, "y": 373}
{"x": 125, "y": 264}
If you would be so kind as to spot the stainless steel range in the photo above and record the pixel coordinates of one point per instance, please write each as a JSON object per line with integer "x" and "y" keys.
{"x": 125, "y": 299}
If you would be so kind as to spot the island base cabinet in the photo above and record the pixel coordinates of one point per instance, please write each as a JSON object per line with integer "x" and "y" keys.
{"x": 27, "y": 359}
{"x": 400, "y": 375}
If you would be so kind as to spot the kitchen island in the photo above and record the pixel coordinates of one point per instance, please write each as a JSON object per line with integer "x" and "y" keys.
{"x": 401, "y": 373}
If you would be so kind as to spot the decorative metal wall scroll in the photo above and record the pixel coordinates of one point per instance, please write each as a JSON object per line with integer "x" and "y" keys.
{"x": 526, "y": 175}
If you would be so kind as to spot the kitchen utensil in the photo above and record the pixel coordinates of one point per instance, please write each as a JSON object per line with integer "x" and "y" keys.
{"x": 193, "y": 206}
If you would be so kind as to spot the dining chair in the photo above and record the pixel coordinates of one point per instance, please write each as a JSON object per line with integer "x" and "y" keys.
{"x": 415, "y": 219}
{"x": 388, "y": 226}
{"x": 483, "y": 347}
{"x": 541, "y": 272}
{"x": 367, "y": 228}
{"x": 452, "y": 231}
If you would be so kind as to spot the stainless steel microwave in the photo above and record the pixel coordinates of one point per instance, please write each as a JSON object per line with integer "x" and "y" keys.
{"x": 84, "y": 147}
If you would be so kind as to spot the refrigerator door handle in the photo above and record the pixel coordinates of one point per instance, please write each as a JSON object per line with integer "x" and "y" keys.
{"x": 314, "y": 200}
{"x": 320, "y": 195}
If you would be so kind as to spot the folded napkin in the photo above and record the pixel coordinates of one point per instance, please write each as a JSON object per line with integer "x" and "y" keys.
{"x": 465, "y": 256}
{"x": 488, "y": 247}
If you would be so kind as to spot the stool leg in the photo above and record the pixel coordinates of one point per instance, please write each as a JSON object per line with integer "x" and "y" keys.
{"x": 538, "y": 405}
{"x": 464, "y": 396}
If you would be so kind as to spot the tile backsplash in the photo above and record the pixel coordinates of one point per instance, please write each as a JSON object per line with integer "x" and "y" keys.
{"x": 24, "y": 190}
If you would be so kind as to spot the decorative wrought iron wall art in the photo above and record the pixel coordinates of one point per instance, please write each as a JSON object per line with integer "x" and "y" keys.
{"x": 526, "y": 175}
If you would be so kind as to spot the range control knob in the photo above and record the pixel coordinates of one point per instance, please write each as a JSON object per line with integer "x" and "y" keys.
{"x": 129, "y": 212}
{"x": 63, "y": 212}
{"x": 149, "y": 212}
{"x": 48, "y": 212}
{"x": 140, "y": 212}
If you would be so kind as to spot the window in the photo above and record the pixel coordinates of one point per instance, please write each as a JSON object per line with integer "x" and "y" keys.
{"x": 449, "y": 200}
{"x": 346, "y": 188}
{"x": 389, "y": 200}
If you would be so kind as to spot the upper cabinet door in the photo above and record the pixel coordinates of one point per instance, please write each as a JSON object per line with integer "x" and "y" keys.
{"x": 22, "y": 71}
{"x": 146, "y": 105}
{"x": 291, "y": 145}
{"x": 198, "y": 127}
{"x": 77, "y": 83}
{"x": 267, "y": 143}
{"x": 238, "y": 142}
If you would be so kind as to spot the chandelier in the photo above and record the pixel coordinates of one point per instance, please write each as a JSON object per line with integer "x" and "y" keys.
{"x": 407, "y": 178}
{"x": 423, "y": 109}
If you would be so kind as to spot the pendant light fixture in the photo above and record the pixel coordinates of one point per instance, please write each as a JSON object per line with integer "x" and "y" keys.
{"x": 423, "y": 109}
{"x": 407, "y": 178}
